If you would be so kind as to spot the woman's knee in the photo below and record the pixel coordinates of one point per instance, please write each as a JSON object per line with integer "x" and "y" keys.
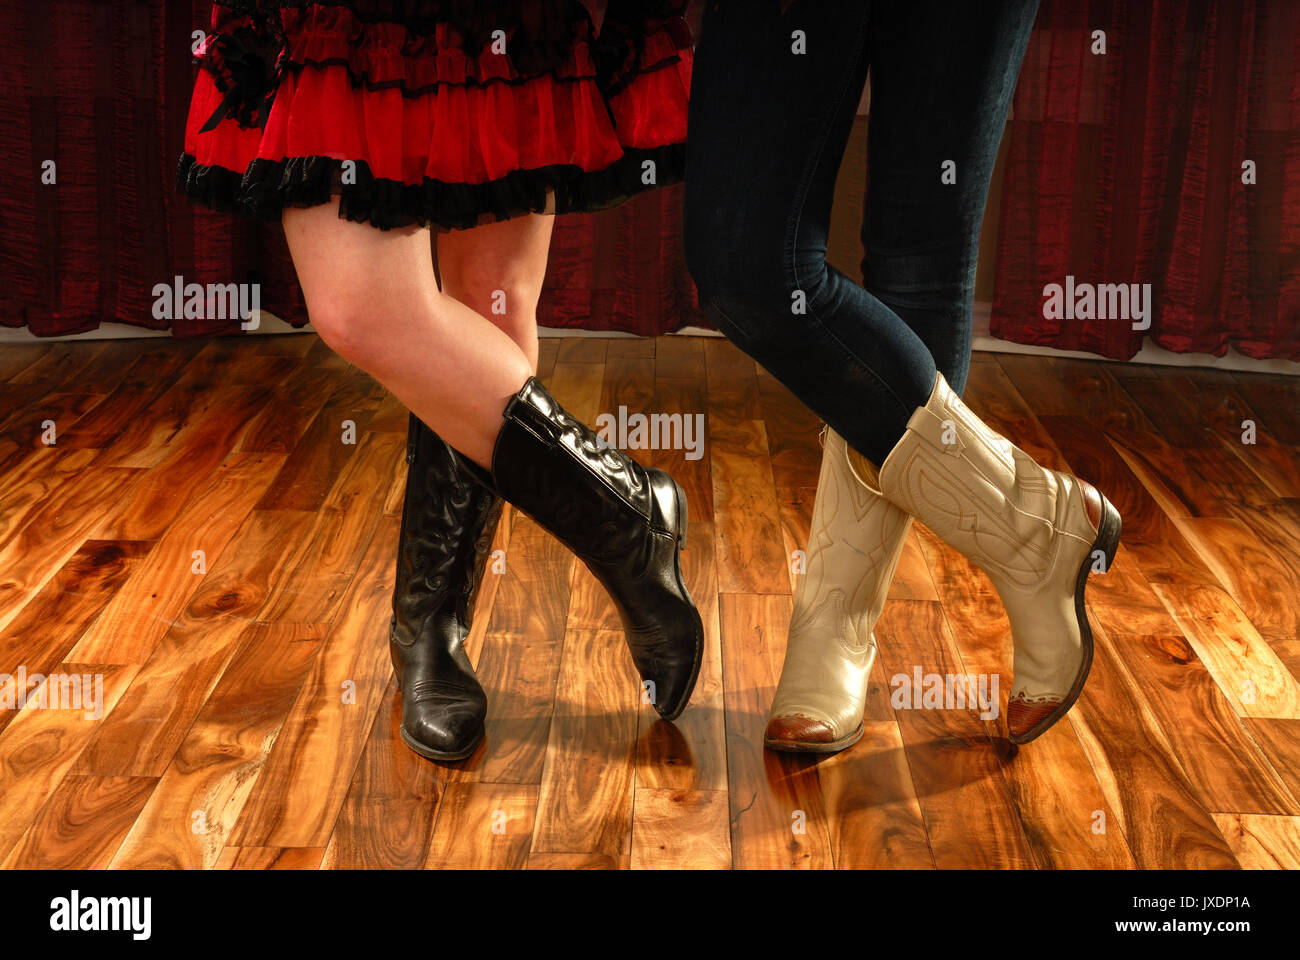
{"x": 351, "y": 326}
{"x": 506, "y": 296}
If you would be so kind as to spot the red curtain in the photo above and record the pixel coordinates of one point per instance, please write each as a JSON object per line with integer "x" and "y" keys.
{"x": 1127, "y": 167}
{"x": 101, "y": 90}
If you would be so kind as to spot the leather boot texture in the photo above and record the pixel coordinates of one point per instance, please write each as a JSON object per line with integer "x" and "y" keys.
{"x": 626, "y": 522}
{"x": 1037, "y": 533}
{"x": 854, "y": 543}
{"x": 448, "y": 521}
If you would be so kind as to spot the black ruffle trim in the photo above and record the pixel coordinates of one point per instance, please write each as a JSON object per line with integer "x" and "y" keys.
{"x": 269, "y": 186}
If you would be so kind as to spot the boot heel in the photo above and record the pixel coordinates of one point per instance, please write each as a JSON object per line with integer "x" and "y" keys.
{"x": 1107, "y": 542}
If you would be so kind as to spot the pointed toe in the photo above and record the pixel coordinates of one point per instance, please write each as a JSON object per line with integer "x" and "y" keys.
{"x": 797, "y": 730}
{"x": 444, "y": 736}
{"x": 796, "y": 734}
{"x": 1027, "y": 719}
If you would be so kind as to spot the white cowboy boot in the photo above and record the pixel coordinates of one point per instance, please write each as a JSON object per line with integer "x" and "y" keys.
{"x": 1037, "y": 533}
{"x": 855, "y": 541}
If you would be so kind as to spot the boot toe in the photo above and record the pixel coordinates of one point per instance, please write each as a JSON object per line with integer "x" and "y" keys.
{"x": 1028, "y": 719}
{"x": 673, "y": 690}
{"x": 798, "y": 730}
{"x": 444, "y": 737}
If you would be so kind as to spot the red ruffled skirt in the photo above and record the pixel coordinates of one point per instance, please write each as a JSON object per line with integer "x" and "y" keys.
{"x": 448, "y": 113}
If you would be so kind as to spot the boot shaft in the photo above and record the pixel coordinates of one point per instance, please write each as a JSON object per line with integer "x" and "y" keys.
{"x": 855, "y": 541}
{"x": 598, "y": 501}
{"x": 1015, "y": 519}
{"x": 448, "y": 522}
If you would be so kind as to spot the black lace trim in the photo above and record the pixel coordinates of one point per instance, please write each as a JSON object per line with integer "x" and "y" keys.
{"x": 269, "y": 186}
{"x": 249, "y": 53}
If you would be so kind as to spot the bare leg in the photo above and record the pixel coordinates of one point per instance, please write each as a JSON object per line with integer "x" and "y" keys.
{"x": 448, "y": 519}
{"x": 372, "y": 297}
{"x": 497, "y": 271}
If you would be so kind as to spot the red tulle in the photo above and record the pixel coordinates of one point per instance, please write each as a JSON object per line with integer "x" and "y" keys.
{"x": 462, "y": 128}
{"x": 455, "y": 134}
{"x": 651, "y": 111}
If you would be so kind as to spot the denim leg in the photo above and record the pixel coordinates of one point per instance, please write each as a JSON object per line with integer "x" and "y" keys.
{"x": 942, "y": 77}
{"x": 768, "y": 126}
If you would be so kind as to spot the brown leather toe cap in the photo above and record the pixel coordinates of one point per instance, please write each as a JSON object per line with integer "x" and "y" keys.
{"x": 1022, "y": 717}
{"x": 799, "y": 730}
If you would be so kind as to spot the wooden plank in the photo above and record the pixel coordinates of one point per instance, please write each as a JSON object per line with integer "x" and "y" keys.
{"x": 871, "y": 805}
{"x": 955, "y": 767}
{"x": 1251, "y": 572}
{"x": 40, "y": 747}
{"x": 681, "y": 829}
{"x": 1221, "y": 761}
{"x": 64, "y": 362}
{"x": 282, "y": 424}
{"x": 1123, "y": 601}
{"x": 46, "y": 628}
{"x": 148, "y": 603}
{"x": 582, "y": 350}
{"x": 1159, "y": 547}
{"x": 312, "y": 468}
{"x": 577, "y": 861}
{"x": 691, "y": 468}
{"x": 548, "y": 349}
{"x": 1229, "y": 417}
{"x": 270, "y": 858}
{"x": 630, "y": 348}
{"x": 689, "y": 754}
{"x": 1254, "y": 681}
{"x": 84, "y": 821}
{"x": 1274, "y": 400}
{"x": 680, "y": 358}
{"x": 484, "y": 826}
{"x": 778, "y": 818}
{"x": 305, "y": 779}
{"x": 30, "y": 485}
{"x": 153, "y": 367}
{"x": 193, "y": 808}
{"x": 733, "y": 381}
{"x": 519, "y": 657}
{"x": 181, "y": 672}
{"x": 187, "y": 469}
{"x": 325, "y": 560}
{"x": 1164, "y": 820}
{"x": 1262, "y": 843}
{"x": 56, "y": 531}
{"x": 793, "y": 431}
{"x": 1052, "y": 787}
{"x": 747, "y": 524}
{"x": 387, "y": 819}
{"x": 1279, "y": 741}
{"x": 585, "y": 801}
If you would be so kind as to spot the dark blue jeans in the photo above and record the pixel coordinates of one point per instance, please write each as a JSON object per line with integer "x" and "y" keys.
{"x": 768, "y": 127}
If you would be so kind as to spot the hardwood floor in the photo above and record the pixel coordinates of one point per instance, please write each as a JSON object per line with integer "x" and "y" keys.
{"x": 213, "y": 535}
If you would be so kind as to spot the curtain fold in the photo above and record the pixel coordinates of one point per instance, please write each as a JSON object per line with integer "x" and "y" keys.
{"x": 101, "y": 89}
{"x": 1129, "y": 167}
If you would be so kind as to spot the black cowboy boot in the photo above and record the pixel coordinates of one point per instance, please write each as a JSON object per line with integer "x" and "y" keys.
{"x": 626, "y": 522}
{"x": 447, "y": 525}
